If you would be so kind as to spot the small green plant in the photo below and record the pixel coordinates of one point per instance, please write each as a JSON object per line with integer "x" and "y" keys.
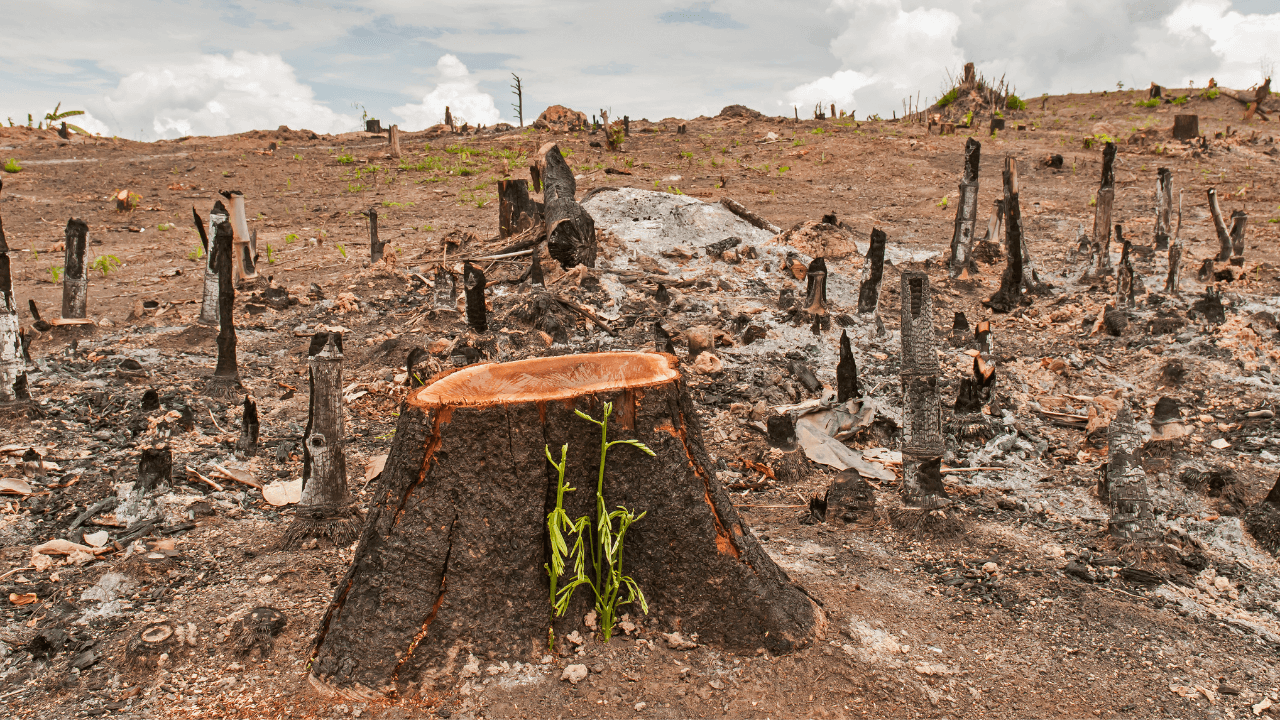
{"x": 356, "y": 187}
{"x": 105, "y": 264}
{"x": 605, "y": 544}
{"x": 968, "y": 119}
{"x": 342, "y": 250}
{"x": 674, "y": 190}
{"x": 1212, "y": 93}
{"x": 1119, "y": 85}
{"x": 1149, "y": 103}
{"x": 797, "y": 142}
{"x": 782, "y": 169}
{"x": 291, "y": 238}
{"x": 1013, "y": 102}
{"x": 817, "y": 131}
{"x": 297, "y": 156}
{"x": 1181, "y": 99}
{"x": 270, "y": 260}
{"x": 389, "y": 203}
{"x": 196, "y": 253}
{"x": 346, "y": 159}
{"x": 1093, "y": 200}
{"x": 164, "y": 227}
{"x": 12, "y": 166}
{"x": 55, "y": 274}
{"x": 226, "y": 173}
{"x": 685, "y": 154}
{"x": 944, "y": 202}
{"x": 952, "y": 95}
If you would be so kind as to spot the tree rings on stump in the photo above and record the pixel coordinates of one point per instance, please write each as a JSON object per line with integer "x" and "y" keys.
{"x": 160, "y": 643}
{"x": 451, "y": 560}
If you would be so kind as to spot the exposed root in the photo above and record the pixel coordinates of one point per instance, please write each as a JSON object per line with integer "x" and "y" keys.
{"x": 224, "y": 388}
{"x": 938, "y": 522}
{"x": 337, "y": 527}
{"x": 1263, "y": 523}
{"x": 254, "y": 635}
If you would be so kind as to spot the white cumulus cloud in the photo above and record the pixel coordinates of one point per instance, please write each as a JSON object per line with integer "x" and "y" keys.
{"x": 215, "y": 95}
{"x": 456, "y": 90}
{"x": 1246, "y": 45}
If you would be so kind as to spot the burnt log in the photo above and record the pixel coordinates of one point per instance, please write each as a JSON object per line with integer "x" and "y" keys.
{"x": 226, "y": 375}
{"x": 966, "y": 213}
{"x": 922, "y": 428}
{"x": 755, "y": 220}
{"x": 1104, "y": 201}
{"x": 454, "y": 552}
{"x": 13, "y": 363}
{"x": 75, "y": 272}
{"x": 1009, "y": 295}
{"x": 872, "y": 274}
{"x": 571, "y": 233}
{"x": 1164, "y": 207}
{"x": 517, "y": 212}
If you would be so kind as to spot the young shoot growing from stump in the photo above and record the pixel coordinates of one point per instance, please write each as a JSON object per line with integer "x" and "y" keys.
{"x": 606, "y": 578}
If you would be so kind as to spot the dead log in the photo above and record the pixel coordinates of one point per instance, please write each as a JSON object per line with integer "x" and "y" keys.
{"x": 570, "y": 230}
{"x": 247, "y": 445}
{"x": 13, "y": 364}
{"x": 474, "y": 284}
{"x": 226, "y": 375}
{"x": 75, "y": 272}
{"x": 847, "y": 387}
{"x": 375, "y": 245}
{"x": 966, "y": 213}
{"x": 393, "y": 139}
{"x": 1132, "y": 519}
{"x": 209, "y": 299}
{"x": 922, "y": 430}
{"x": 872, "y": 274}
{"x": 325, "y": 510}
{"x": 454, "y": 552}
{"x": 1219, "y": 226}
{"x": 757, "y": 221}
{"x": 517, "y": 212}
{"x": 1009, "y": 295}
{"x": 1263, "y": 520}
{"x": 1104, "y": 201}
{"x": 1164, "y": 207}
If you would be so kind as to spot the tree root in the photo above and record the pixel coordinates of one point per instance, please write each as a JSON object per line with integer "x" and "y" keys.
{"x": 338, "y": 527}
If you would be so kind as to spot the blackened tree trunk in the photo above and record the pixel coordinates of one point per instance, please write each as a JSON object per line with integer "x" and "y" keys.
{"x": 1220, "y": 226}
{"x": 966, "y": 213}
{"x": 922, "y": 431}
{"x": 872, "y": 274}
{"x": 1164, "y": 207}
{"x": 1173, "y": 281}
{"x": 75, "y": 272}
{"x": 1124, "y": 274}
{"x": 155, "y": 466}
{"x": 209, "y": 301}
{"x": 1011, "y": 282}
{"x": 451, "y": 560}
{"x": 226, "y": 375}
{"x": 247, "y": 445}
{"x": 474, "y": 283}
{"x": 1102, "y": 211}
{"x": 13, "y": 363}
{"x": 847, "y": 387}
{"x": 517, "y": 212}
{"x": 375, "y": 245}
{"x": 1132, "y": 519}
{"x": 571, "y": 231}
{"x": 325, "y": 510}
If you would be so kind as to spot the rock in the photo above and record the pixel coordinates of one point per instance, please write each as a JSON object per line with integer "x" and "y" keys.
{"x": 574, "y": 673}
{"x": 701, "y": 339}
{"x": 990, "y": 568}
{"x": 818, "y": 239}
{"x": 708, "y": 364}
{"x": 1220, "y": 444}
{"x": 559, "y": 118}
{"x": 676, "y": 642}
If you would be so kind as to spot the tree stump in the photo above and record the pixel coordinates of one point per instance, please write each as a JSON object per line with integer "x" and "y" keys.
{"x": 75, "y": 273}
{"x": 375, "y": 245}
{"x": 13, "y": 362}
{"x": 451, "y": 559}
{"x": 966, "y": 213}
{"x": 1105, "y": 199}
{"x": 209, "y": 299}
{"x": 1186, "y": 127}
{"x": 1164, "y": 207}
{"x": 1009, "y": 296}
{"x": 922, "y": 432}
{"x": 517, "y": 212}
{"x": 393, "y": 139}
{"x": 226, "y": 375}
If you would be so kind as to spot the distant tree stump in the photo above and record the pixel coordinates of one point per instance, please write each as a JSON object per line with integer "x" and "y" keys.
{"x": 1186, "y": 127}
{"x": 451, "y": 559}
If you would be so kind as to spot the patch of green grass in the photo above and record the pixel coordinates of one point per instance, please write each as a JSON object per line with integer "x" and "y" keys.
{"x": 105, "y": 264}
{"x": 291, "y": 238}
{"x": 1013, "y": 102}
{"x": 342, "y": 250}
{"x": 12, "y": 166}
{"x": 346, "y": 158}
{"x": 952, "y": 95}
{"x": 686, "y": 154}
{"x": 674, "y": 190}
{"x": 1150, "y": 103}
{"x": 356, "y": 187}
{"x": 797, "y": 142}
{"x": 1181, "y": 100}
{"x": 817, "y": 131}
{"x": 1211, "y": 94}
{"x": 390, "y": 204}
{"x": 782, "y": 169}
{"x": 457, "y": 150}
{"x": 196, "y": 253}
{"x": 164, "y": 227}
{"x": 55, "y": 273}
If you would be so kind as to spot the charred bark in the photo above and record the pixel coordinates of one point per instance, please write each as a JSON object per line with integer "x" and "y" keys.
{"x": 325, "y": 510}
{"x": 1009, "y": 295}
{"x": 1124, "y": 273}
{"x": 1164, "y": 207}
{"x": 453, "y": 553}
{"x": 75, "y": 273}
{"x": 155, "y": 466}
{"x": 1102, "y": 211}
{"x": 571, "y": 233}
{"x": 474, "y": 282}
{"x": 241, "y": 252}
{"x": 226, "y": 375}
{"x": 922, "y": 431}
{"x": 966, "y": 213}
{"x": 13, "y": 364}
{"x": 247, "y": 445}
{"x": 815, "y": 297}
{"x": 847, "y": 387}
{"x": 872, "y": 274}
{"x": 1132, "y": 519}
{"x": 517, "y": 212}
{"x": 446, "y": 289}
{"x": 209, "y": 300}
{"x": 1173, "y": 280}
{"x": 1238, "y": 221}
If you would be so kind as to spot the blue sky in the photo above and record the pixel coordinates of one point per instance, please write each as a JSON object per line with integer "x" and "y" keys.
{"x": 165, "y": 68}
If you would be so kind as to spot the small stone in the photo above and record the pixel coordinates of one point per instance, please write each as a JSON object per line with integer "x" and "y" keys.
{"x": 547, "y": 659}
{"x": 640, "y": 706}
{"x": 266, "y": 579}
{"x": 597, "y": 668}
{"x": 574, "y": 673}
{"x": 1220, "y": 444}
{"x": 676, "y": 642}
{"x": 990, "y": 568}
{"x": 1222, "y": 584}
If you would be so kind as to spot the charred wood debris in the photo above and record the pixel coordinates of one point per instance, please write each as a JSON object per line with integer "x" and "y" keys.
{"x": 786, "y": 340}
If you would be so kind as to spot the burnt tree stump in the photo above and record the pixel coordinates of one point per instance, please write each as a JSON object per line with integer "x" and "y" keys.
{"x": 872, "y": 274}
{"x": 1164, "y": 207}
{"x": 451, "y": 559}
{"x": 375, "y": 245}
{"x": 966, "y": 213}
{"x": 75, "y": 273}
{"x": 922, "y": 412}
{"x": 1132, "y": 517}
{"x": 1220, "y": 227}
{"x": 13, "y": 362}
{"x": 226, "y": 375}
{"x": 517, "y": 211}
{"x": 1012, "y": 282}
{"x": 1186, "y": 127}
{"x": 209, "y": 299}
{"x": 1105, "y": 199}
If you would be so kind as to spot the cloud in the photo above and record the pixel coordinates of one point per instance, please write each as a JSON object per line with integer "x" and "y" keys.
{"x": 215, "y": 95}
{"x": 1246, "y": 45}
{"x": 456, "y": 90}
{"x": 702, "y": 15}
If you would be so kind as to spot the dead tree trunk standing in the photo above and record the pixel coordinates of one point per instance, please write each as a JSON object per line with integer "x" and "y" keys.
{"x": 244, "y": 251}
{"x": 1164, "y": 207}
{"x": 209, "y": 300}
{"x": 1102, "y": 212}
{"x": 75, "y": 273}
{"x": 1238, "y": 221}
{"x": 1010, "y": 293}
{"x": 13, "y": 364}
{"x": 451, "y": 560}
{"x": 1220, "y": 226}
{"x": 966, "y": 213}
{"x": 318, "y": 343}
{"x": 325, "y": 509}
{"x": 375, "y": 245}
{"x": 1173, "y": 281}
{"x": 1132, "y": 519}
{"x": 1124, "y": 273}
{"x": 448, "y": 117}
{"x": 922, "y": 431}
{"x": 517, "y": 211}
{"x": 571, "y": 231}
{"x": 226, "y": 375}
{"x": 847, "y": 387}
{"x": 872, "y": 274}
{"x": 393, "y": 139}
{"x": 247, "y": 445}
{"x": 473, "y": 283}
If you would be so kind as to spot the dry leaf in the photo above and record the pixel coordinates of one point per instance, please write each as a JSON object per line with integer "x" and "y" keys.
{"x": 374, "y": 468}
{"x": 97, "y": 539}
{"x": 27, "y": 599}
{"x": 283, "y": 493}
{"x": 14, "y": 486}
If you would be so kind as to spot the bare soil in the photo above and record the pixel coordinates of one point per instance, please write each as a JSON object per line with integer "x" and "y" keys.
{"x": 916, "y": 626}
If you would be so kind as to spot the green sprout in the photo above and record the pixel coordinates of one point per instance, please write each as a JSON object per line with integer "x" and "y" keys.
{"x": 105, "y": 264}
{"x": 196, "y": 253}
{"x": 342, "y": 250}
{"x": 12, "y": 166}
{"x": 944, "y": 202}
{"x": 55, "y": 274}
{"x": 270, "y": 260}
{"x": 291, "y": 238}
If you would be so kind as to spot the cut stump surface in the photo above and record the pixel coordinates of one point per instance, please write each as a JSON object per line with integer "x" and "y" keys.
{"x": 451, "y": 559}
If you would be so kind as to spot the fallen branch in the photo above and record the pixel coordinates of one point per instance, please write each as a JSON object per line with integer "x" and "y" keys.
{"x": 737, "y": 209}
{"x": 223, "y": 472}
{"x": 585, "y": 312}
{"x": 191, "y": 473}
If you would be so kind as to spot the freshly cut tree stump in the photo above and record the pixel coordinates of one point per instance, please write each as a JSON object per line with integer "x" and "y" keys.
{"x": 451, "y": 560}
